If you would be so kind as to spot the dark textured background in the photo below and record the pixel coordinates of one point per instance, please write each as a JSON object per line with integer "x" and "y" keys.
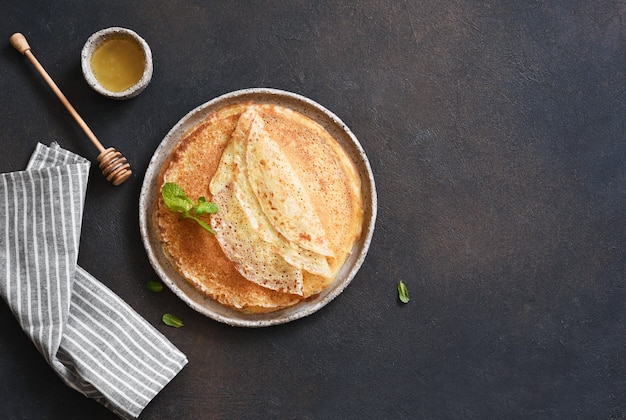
{"x": 496, "y": 132}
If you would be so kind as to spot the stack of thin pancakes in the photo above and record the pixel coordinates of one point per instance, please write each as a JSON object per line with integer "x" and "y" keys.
{"x": 289, "y": 202}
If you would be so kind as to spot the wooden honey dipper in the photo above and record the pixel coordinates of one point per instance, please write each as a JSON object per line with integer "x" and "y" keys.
{"x": 113, "y": 165}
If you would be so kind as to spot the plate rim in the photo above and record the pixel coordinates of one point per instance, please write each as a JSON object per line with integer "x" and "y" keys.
{"x": 207, "y": 306}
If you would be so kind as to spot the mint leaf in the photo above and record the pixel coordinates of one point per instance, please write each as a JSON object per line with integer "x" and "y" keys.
{"x": 175, "y": 198}
{"x": 172, "y": 320}
{"x": 205, "y": 207}
{"x": 155, "y": 286}
{"x": 403, "y": 292}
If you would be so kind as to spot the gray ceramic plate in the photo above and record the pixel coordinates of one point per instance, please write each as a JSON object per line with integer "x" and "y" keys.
{"x": 149, "y": 193}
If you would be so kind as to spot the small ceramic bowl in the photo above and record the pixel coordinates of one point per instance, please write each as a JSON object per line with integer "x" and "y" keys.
{"x": 96, "y": 40}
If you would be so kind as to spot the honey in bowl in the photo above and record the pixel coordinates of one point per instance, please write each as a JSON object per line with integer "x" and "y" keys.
{"x": 118, "y": 63}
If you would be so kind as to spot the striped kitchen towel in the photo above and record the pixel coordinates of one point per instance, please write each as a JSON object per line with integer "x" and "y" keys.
{"x": 92, "y": 339}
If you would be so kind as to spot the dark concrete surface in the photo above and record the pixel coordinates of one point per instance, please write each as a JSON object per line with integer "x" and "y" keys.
{"x": 497, "y": 135}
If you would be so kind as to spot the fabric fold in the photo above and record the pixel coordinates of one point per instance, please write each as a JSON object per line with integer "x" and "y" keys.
{"x": 93, "y": 340}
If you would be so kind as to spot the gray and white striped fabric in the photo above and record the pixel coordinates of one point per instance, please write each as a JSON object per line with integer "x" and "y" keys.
{"x": 94, "y": 341}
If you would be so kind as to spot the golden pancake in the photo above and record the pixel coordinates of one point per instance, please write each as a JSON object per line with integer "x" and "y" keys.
{"x": 289, "y": 207}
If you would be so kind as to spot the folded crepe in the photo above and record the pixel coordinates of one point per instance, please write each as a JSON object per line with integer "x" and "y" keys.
{"x": 270, "y": 232}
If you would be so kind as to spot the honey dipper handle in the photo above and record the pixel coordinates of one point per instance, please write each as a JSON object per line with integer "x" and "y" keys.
{"x": 19, "y": 43}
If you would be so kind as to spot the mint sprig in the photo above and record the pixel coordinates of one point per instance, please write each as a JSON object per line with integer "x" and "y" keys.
{"x": 177, "y": 201}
